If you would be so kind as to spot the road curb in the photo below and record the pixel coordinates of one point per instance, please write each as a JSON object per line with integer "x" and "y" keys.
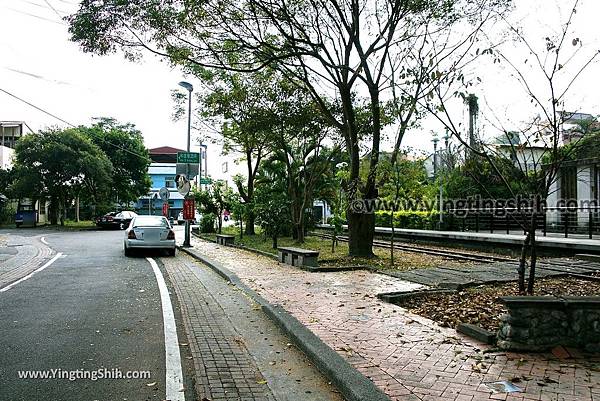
{"x": 353, "y": 385}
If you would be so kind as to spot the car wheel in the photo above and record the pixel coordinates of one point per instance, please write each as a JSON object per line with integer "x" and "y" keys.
{"x": 172, "y": 252}
{"x": 121, "y": 226}
{"x": 128, "y": 251}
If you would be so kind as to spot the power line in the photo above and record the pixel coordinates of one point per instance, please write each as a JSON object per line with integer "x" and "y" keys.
{"x": 72, "y": 125}
{"x": 53, "y": 9}
{"x": 36, "y": 16}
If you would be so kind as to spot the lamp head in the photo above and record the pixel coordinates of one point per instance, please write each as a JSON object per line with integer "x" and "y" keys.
{"x": 186, "y": 85}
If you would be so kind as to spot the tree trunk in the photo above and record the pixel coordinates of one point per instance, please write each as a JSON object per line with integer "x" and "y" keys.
{"x": 533, "y": 259}
{"x": 53, "y": 210}
{"x": 220, "y": 222}
{"x": 77, "y": 209}
{"x": 392, "y": 239}
{"x": 275, "y": 242}
{"x": 250, "y": 218}
{"x": 333, "y": 239}
{"x": 361, "y": 227}
{"x": 300, "y": 227}
{"x": 241, "y": 229}
{"x": 522, "y": 261}
{"x": 299, "y": 233}
{"x": 63, "y": 210}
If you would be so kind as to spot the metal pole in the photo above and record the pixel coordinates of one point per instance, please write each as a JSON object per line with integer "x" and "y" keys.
{"x": 205, "y": 166}
{"x": 186, "y": 241}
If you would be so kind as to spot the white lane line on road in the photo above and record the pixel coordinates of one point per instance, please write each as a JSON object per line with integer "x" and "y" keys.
{"x": 174, "y": 376}
{"x": 39, "y": 269}
{"x": 43, "y": 239}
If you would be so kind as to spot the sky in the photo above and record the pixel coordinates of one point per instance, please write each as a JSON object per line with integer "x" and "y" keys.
{"x": 39, "y": 64}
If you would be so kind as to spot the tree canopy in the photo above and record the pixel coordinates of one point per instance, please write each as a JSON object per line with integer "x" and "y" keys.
{"x": 60, "y": 165}
{"x": 123, "y": 144}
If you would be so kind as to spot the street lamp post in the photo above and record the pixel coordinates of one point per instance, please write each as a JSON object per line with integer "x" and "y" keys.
{"x": 190, "y": 88}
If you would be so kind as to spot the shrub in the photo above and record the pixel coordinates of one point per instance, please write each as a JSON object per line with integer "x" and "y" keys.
{"x": 417, "y": 219}
{"x": 207, "y": 223}
{"x": 7, "y": 213}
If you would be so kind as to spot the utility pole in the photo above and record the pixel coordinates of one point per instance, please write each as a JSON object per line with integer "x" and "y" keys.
{"x": 190, "y": 88}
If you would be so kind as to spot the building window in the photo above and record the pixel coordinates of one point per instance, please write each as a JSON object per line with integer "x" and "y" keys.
{"x": 224, "y": 167}
{"x": 169, "y": 182}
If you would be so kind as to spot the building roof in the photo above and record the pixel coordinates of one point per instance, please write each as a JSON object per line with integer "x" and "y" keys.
{"x": 164, "y": 154}
{"x": 164, "y": 150}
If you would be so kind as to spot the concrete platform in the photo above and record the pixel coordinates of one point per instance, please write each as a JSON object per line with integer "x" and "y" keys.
{"x": 551, "y": 242}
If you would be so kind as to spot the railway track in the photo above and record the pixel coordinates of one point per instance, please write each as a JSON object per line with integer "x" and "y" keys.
{"x": 444, "y": 253}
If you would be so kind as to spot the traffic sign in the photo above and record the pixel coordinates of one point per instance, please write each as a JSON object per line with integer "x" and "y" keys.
{"x": 205, "y": 180}
{"x": 189, "y": 209}
{"x": 183, "y": 184}
{"x": 164, "y": 194}
{"x": 165, "y": 209}
{"x": 190, "y": 169}
{"x": 188, "y": 157}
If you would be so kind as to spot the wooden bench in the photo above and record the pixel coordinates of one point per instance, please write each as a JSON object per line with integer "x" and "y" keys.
{"x": 223, "y": 239}
{"x": 298, "y": 256}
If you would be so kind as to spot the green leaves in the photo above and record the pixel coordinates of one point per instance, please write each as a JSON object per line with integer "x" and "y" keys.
{"x": 61, "y": 164}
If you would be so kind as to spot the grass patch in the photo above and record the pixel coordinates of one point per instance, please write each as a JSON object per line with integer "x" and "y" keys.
{"x": 72, "y": 225}
{"x": 339, "y": 257}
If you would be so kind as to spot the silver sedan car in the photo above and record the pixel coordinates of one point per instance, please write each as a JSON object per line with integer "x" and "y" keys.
{"x": 149, "y": 232}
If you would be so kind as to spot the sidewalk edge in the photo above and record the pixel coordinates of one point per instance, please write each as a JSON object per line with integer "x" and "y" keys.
{"x": 353, "y": 385}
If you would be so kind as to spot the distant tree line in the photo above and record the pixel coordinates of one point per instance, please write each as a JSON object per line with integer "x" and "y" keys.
{"x": 101, "y": 166}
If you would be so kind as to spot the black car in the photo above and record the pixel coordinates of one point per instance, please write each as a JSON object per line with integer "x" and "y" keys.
{"x": 118, "y": 220}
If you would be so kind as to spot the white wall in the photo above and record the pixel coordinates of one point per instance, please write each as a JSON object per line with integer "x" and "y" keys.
{"x": 6, "y": 155}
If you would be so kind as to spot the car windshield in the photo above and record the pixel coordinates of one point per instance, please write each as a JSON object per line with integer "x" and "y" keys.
{"x": 150, "y": 221}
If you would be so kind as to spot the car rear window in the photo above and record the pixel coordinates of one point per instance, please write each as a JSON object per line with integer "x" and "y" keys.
{"x": 150, "y": 221}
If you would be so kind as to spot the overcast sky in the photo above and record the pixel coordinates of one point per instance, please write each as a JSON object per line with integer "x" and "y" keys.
{"x": 40, "y": 64}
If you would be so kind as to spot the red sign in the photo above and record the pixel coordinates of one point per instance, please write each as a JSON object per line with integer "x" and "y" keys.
{"x": 165, "y": 209}
{"x": 189, "y": 209}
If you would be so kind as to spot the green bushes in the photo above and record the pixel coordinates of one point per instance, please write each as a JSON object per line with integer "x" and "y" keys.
{"x": 423, "y": 220}
{"x": 207, "y": 223}
{"x": 7, "y": 213}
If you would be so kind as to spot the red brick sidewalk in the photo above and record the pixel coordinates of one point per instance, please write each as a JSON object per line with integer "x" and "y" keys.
{"x": 407, "y": 356}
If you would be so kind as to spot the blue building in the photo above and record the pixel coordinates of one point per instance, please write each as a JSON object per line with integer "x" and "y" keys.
{"x": 162, "y": 172}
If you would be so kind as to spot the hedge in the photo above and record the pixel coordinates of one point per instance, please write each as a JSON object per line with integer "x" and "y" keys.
{"x": 422, "y": 220}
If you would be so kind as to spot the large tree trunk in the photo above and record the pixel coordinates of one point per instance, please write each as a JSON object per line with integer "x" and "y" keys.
{"x": 361, "y": 227}
{"x": 250, "y": 218}
{"x": 53, "y": 210}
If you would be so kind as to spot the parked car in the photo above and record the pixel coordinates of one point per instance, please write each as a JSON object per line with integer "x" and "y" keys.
{"x": 196, "y": 220}
{"x": 149, "y": 232}
{"x": 118, "y": 220}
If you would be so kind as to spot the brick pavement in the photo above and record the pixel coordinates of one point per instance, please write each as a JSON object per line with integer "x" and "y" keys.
{"x": 238, "y": 353}
{"x": 30, "y": 254}
{"x": 407, "y": 356}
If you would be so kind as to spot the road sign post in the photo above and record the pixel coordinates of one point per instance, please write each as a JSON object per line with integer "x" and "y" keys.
{"x": 164, "y": 194}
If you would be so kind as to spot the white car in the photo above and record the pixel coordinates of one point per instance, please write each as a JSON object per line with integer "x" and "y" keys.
{"x": 149, "y": 232}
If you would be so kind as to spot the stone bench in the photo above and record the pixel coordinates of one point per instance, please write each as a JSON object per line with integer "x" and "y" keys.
{"x": 298, "y": 256}
{"x": 223, "y": 239}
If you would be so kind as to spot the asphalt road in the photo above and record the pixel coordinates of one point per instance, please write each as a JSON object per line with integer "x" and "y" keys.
{"x": 93, "y": 310}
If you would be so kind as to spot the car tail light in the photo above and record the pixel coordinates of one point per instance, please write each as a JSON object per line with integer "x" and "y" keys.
{"x": 171, "y": 234}
{"x": 109, "y": 218}
{"x": 131, "y": 235}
